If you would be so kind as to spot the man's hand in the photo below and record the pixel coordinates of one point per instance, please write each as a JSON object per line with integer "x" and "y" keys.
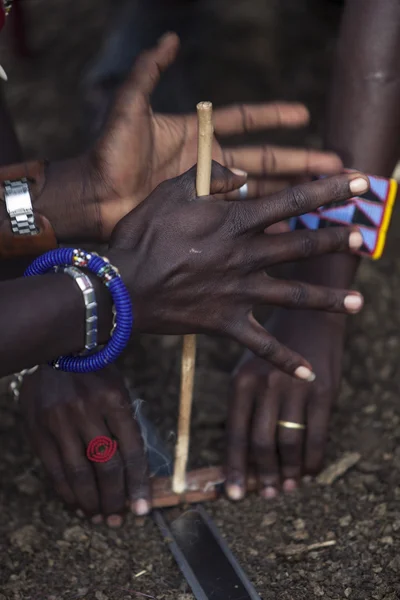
{"x": 63, "y": 412}
{"x": 140, "y": 149}
{"x": 197, "y": 265}
{"x": 262, "y": 396}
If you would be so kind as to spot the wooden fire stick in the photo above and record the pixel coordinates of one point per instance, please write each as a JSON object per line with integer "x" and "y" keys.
{"x": 203, "y": 179}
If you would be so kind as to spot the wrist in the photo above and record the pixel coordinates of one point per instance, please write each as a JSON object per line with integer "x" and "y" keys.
{"x": 117, "y": 197}
{"x": 70, "y": 199}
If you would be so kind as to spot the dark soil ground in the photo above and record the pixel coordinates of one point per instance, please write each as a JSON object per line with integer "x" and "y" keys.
{"x": 265, "y": 50}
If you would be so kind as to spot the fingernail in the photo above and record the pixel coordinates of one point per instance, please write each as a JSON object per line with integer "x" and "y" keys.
{"x": 239, "y": 172}
{"x": 289, "y": 485}
{"x": 140, "y": 507}
{"x": 79, "y": 513}
{"x": 97, "y": 519}
{"x": 353, "y": 303}
{"x": 355, "y": 240}
{"x": 305, "y": 374}
{"x": 269, "y": 492}
{"x": 359, "y": 185}
{"x": 114, "y": 521}
{"x": 235, "y": 492}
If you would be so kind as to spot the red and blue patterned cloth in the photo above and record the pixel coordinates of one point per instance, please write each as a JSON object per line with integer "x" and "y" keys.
{"x": 370, "y": 213}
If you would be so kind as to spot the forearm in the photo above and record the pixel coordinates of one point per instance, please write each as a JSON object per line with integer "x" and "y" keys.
{"x": 363, "y": 121}
{"x": 10, "y": 149}
{"x": 43, "y": 317}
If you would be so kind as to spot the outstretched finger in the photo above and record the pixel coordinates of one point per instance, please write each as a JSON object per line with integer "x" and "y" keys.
{"x": 272, "y": 160}
{"x": 291, "y": 433}
{"x": 243, "y": 118}
{"x": 253, "y": 336}
{"x": 126, "y": 429}
{"x": 225, "y": 181}
{"x": 298, "y": 245}
{"x": 263, "y": 441}
{"x": 318, "y": 416}
{"x": 300, "y": 295}
{"x": 47, "y": 451}
{"x": 304, "y": 198}
{"x": 238, "y": 432}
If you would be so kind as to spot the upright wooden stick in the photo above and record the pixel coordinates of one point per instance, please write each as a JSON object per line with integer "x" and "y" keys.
{"x": 204, "y": 147}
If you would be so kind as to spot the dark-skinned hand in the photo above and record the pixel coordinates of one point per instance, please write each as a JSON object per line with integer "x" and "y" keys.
{"x": 197, "y": 265}
{"x": 63, "y": 412}
{"x": 262, "y": 395}
{"x": 140, "y": 149}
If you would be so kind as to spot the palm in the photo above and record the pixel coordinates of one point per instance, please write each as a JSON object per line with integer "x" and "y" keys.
{"x": 174, "y": 147}
{"x": 141, "y": 149}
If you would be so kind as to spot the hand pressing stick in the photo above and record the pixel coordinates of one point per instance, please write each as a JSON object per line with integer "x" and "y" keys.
{"x": 203, "y": 179}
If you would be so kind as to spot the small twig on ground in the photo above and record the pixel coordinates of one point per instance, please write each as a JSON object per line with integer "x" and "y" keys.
{"x": 296, "y": 549}
{"x": 140, "y": 574}
{"x": 319, "y": 545}
{"x": 338, "y": 468}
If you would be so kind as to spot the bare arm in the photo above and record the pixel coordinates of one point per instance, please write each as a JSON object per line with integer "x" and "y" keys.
{"x": 364, "y": 111}
{"x": 43, "y": 317}
{"x": 10, "y": 149}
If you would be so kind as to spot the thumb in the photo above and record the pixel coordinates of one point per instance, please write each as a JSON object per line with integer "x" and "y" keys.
{"x": 225, "y": 180}
{"x": 146, "y": 73}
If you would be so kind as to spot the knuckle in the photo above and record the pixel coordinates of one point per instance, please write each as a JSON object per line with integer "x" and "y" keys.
{"x": 57, "y": 475}
{"x": 269, "y": 348}
{"x": 228, "y": 158}
{"x": 298, "y": 200}
{"x": 261, "y": 445}
{"x": 238, "y": 441}
{"x": 337, "y": 237}
{"x": 299, "y": 295}
{"x": 111, "y": 468}
{"x": 114, "y": 398}
{"x": 136, "y": 460}
{"x": 80, "y": 476}
{"x": 331, "y": 299}
{"x": 317, "y": 439}
{"x": 309, "y": 245}
{"x": 335, "y": 189}
{"x": 290, "y": 444}
{"x": 245, "y": 380}
{"x": 315, "y": 463}
{"x": 236, "y": 219}
{"x": 269, "y": 160}
{"x": 248, "y": 120}
{"x": 218, "y": 171}
{"x": 324, "y": 393}
{"x": 276, "y": 379}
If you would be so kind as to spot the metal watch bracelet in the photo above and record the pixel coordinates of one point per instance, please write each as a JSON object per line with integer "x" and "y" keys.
{"x": 19, "y": 207}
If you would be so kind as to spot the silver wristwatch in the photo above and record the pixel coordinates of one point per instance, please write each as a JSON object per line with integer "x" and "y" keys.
{"x": 19, "y": 207}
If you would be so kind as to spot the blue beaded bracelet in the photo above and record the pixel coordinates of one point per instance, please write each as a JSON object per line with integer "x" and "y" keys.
{"x": 121, "y": 298}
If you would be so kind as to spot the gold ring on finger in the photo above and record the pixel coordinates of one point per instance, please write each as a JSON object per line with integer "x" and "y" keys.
{"x": 291, "y": 425}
